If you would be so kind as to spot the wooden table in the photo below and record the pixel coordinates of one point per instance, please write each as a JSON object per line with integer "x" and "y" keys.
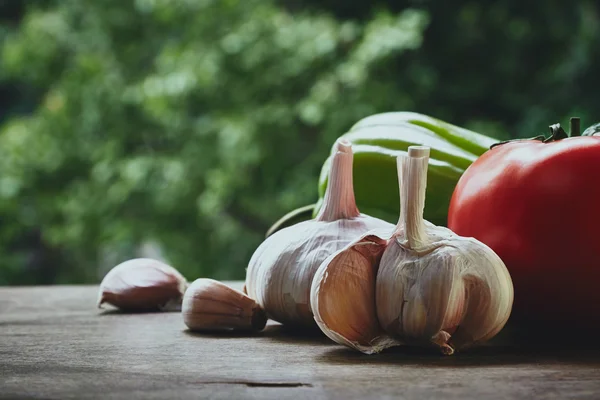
{"x": 55, "y": 344}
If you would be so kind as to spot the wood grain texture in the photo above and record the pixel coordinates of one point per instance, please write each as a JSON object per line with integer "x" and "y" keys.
{"x": 54, "y": 344}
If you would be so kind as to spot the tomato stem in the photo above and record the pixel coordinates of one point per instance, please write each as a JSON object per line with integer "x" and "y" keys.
{"x": 575, "y": 127}
{"x": 541, "y": 138}
{"x": 556, "y": 133}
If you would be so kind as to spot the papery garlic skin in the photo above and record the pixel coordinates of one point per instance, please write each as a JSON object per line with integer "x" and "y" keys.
{"x": 281, "y": 270}
{"x": 210, "y": 305}
{"x": 143, "y": 284}
{"x": 343, "y": 295}
{"x": 434, "y": 286}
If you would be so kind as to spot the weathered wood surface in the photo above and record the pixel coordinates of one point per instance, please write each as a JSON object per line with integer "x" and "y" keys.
{"x": 55, "y": 344}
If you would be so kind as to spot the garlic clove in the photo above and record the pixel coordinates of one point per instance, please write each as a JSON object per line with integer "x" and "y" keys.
{"x": 422, "y": 296}
{"x": 142, "y": 284}
{"x": 343, "y": 296}
{"x": 489, "y": 297}
{"x": 211, "y": 305}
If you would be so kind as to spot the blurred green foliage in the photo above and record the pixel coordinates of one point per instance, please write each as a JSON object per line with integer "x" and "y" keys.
{"x": 190, "y": 126}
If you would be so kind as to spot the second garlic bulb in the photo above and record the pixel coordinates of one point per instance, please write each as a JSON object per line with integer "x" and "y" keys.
{"x": 434, "y": 286}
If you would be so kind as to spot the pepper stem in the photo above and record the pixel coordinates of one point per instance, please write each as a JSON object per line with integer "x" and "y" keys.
{"x": 412, "y": 177}
{"x": 339, "y": 201}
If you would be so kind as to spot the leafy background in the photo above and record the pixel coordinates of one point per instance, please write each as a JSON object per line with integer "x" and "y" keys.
{"x": 182, "y": 129}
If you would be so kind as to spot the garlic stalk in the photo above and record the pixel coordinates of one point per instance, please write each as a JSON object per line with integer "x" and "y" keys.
{"x": 211, "y": 305}
{"x": 282, "y": 268}
{"x": 422, "y": 284}
{"x": 143, "y": 284}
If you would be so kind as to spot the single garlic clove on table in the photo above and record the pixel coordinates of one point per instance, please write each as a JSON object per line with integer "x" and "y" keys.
{"x": 211, "y": 305}
{"x": 142, "y": 284}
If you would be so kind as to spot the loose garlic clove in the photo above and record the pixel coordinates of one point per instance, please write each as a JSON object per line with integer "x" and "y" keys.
{"x": 142, "y": 284}
{"x": 281, "y": 270}
{"x": 210, "y": 305}
{"x": 434, "y": 286}
{"x": 343, "y": 296}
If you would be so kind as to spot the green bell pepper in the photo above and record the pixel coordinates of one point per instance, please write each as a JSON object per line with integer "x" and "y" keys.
{"x": 377, "y": 141}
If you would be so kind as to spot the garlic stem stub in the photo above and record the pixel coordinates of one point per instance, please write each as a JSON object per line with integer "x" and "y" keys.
{"x": 143, "y": 284}
{"x": 209, "y": 305}
{"x": 281, "y": 270}
{"x": 423, "y": 284}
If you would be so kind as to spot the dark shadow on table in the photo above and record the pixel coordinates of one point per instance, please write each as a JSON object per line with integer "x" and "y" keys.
{"x": 116, "y": 311}
{"x": 514, "y": 346}
{"x": 222, "y": 334}
{"x": 274, "y": 332}
{"x": 296, "y": 335}
{"x": 486, "y": 356}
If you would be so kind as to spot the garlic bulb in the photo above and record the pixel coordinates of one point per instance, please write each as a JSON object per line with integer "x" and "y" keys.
{"x": 430, "y": 286}
{"x": 433, "y": 285}
{"x": 212, "y": 305}
{"x": 281, "y": 270}
{"x": 142, "y": 284}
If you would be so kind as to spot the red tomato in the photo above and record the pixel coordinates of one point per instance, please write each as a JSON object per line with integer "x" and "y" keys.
{"x": 537, "y": 205}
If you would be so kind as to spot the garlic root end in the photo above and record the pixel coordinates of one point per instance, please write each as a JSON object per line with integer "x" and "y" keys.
{"x": 441, "y": 340}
